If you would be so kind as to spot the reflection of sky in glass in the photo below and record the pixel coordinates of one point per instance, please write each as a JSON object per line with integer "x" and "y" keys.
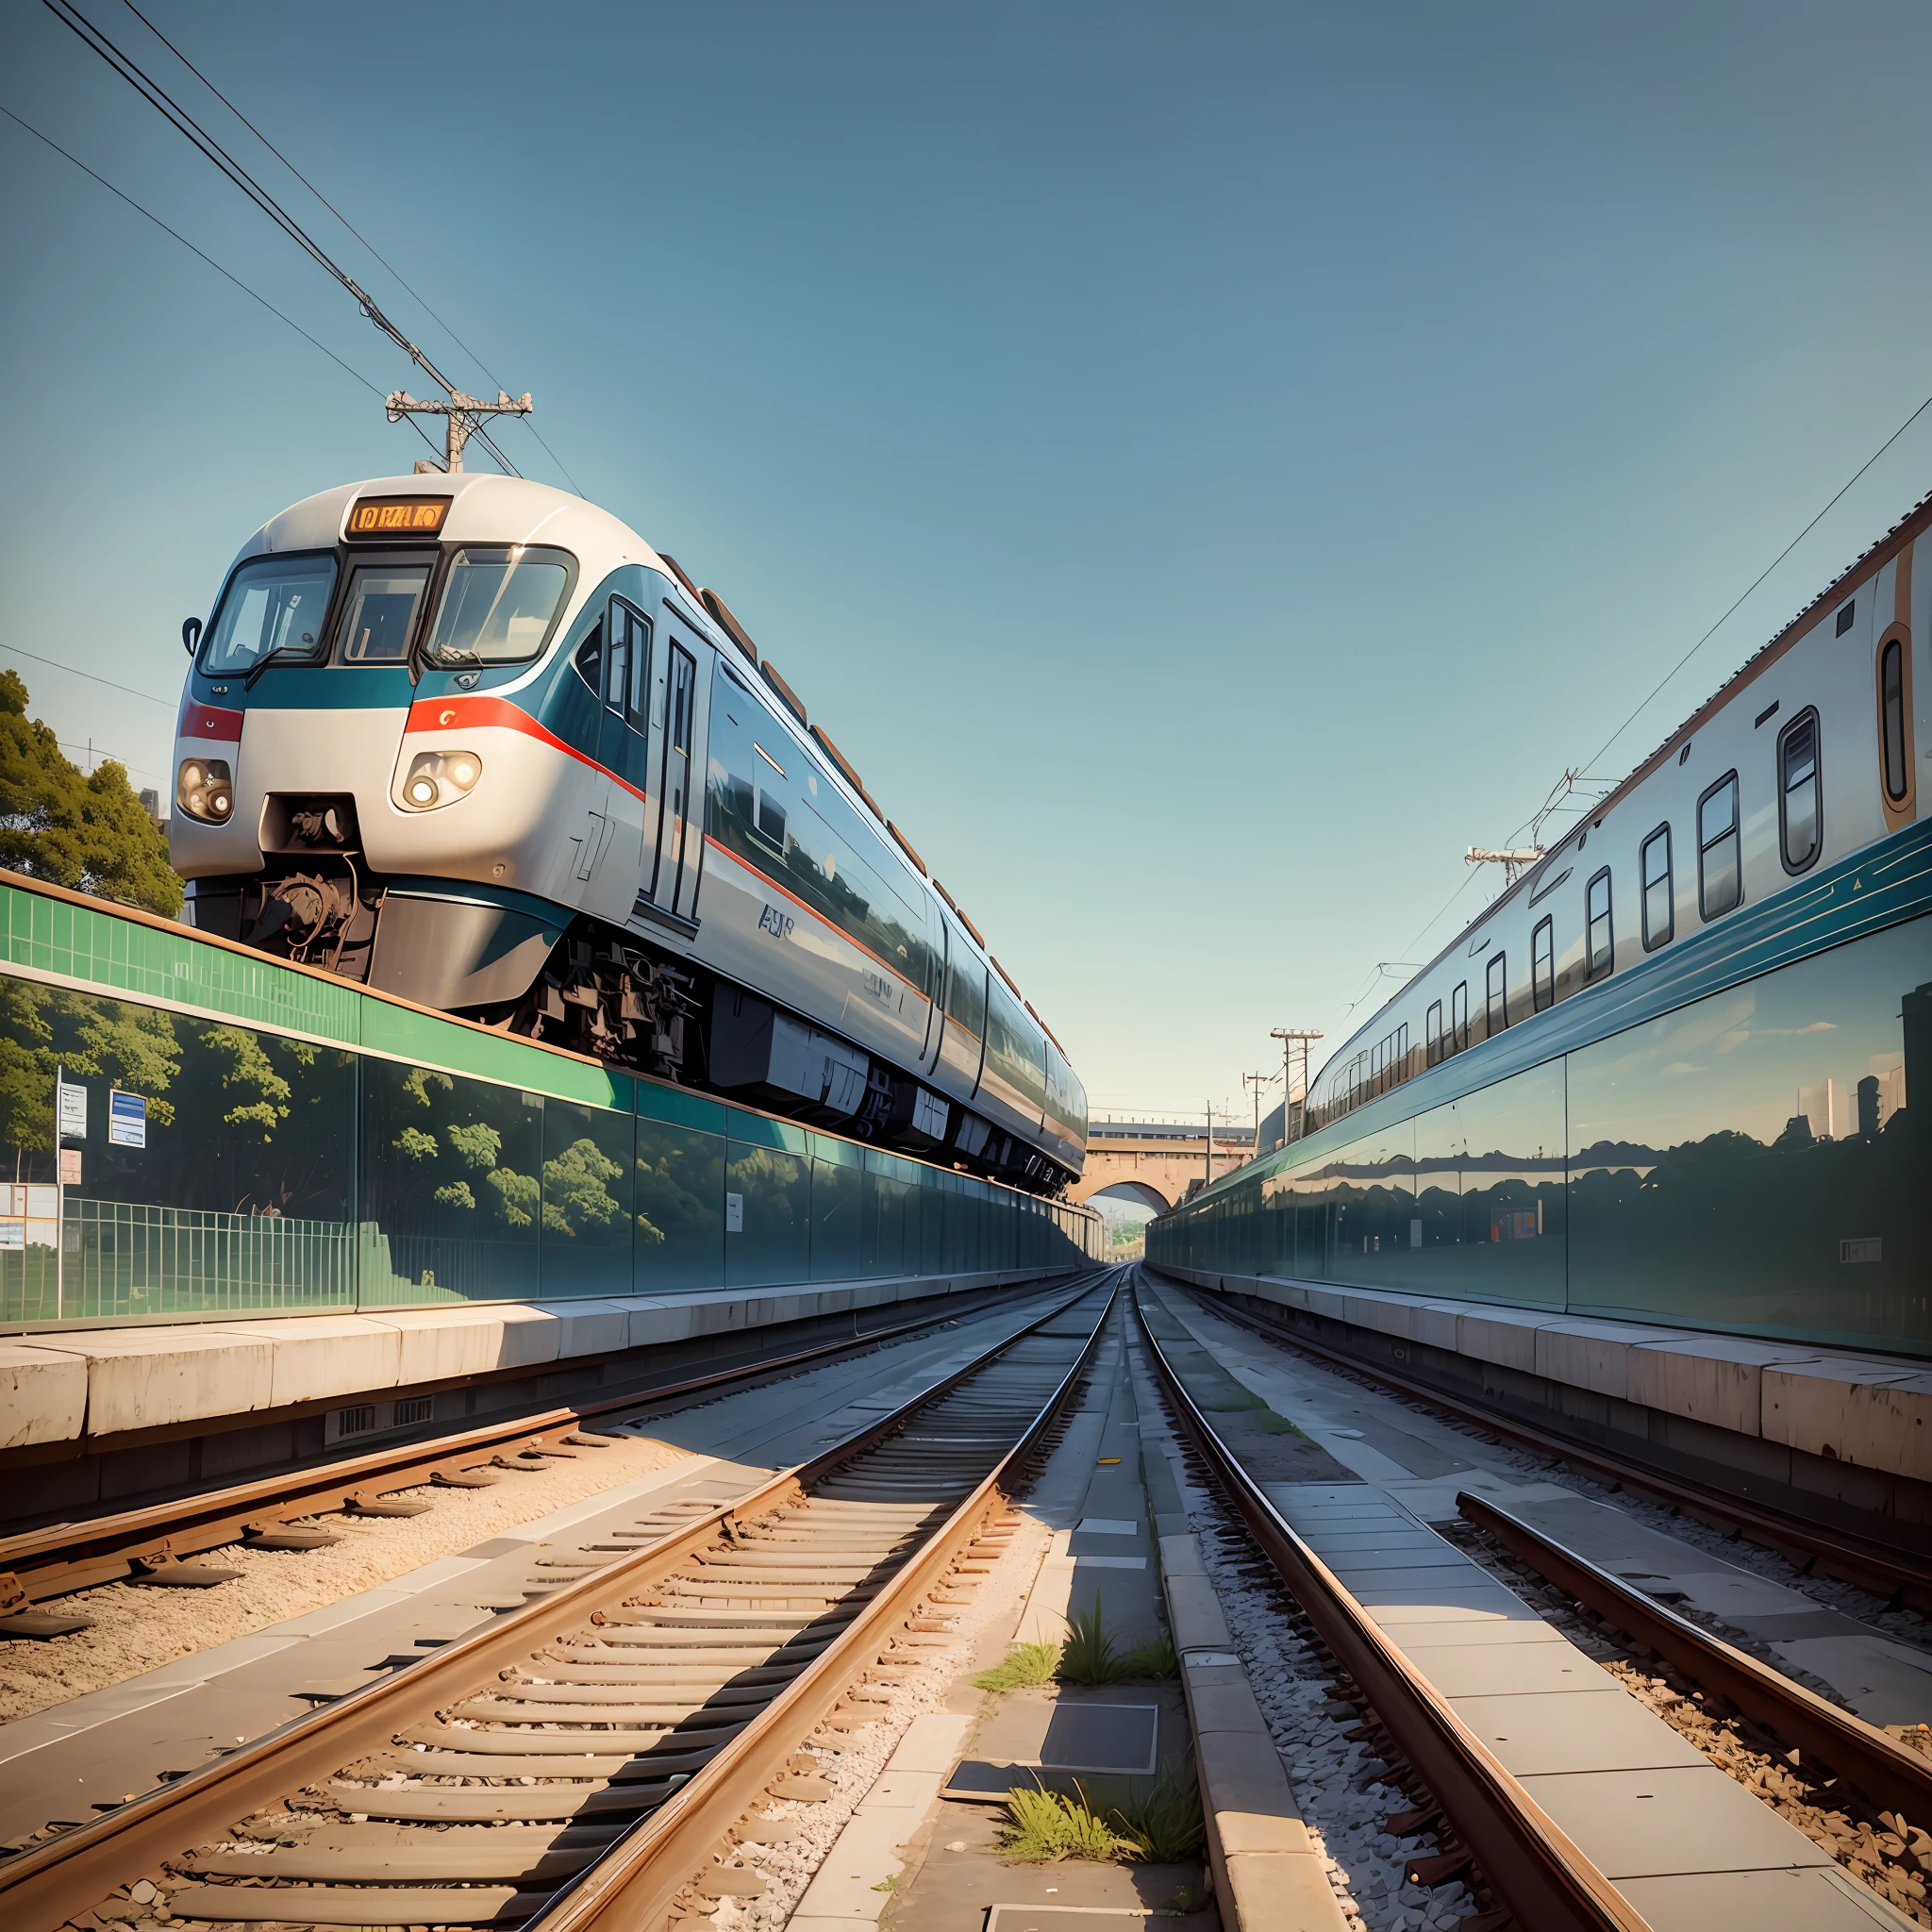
{"x": 1739, "y": 1061}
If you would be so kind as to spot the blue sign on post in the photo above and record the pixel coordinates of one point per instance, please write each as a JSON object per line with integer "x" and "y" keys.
{"x": 126, "y": 1120}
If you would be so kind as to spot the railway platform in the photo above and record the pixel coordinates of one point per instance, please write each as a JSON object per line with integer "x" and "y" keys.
{"x": 1837, "y": 1437}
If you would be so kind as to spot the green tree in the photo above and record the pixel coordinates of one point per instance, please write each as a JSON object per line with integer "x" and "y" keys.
{"x": 576, "y": 1188}
{"x": 59, "y": 824}
{"x": 260, "y": 1094}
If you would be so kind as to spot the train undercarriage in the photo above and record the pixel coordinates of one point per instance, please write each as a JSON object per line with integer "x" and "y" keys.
{"x": 585, "y": 987}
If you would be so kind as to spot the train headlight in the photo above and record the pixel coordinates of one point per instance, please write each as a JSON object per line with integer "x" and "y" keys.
{"x": 438, "y": 777}
{"x": 205, "y": 789}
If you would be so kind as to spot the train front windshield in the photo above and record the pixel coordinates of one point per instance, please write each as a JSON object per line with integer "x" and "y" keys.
{"x": 275, "y": 606}
{"x": 498, "y": 605}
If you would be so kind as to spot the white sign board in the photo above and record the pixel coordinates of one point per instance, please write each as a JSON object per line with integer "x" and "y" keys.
{"x": 73, "y": 1111}
{"x": 126, "y": 1120}
{"x": 734, "y": 1214}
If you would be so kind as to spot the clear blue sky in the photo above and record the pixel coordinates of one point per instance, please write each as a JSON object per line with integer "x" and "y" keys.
{"x": 1206, "y": 465}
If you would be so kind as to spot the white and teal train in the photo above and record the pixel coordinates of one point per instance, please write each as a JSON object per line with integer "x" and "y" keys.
{"x": 1681, "y": 1068}
{"x": 472, "y": 742}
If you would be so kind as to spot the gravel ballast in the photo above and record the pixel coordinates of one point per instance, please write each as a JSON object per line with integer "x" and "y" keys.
{"x": 137, "y": 1628}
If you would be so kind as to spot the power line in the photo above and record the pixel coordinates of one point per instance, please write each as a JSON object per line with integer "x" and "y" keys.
{"x": 14, "y": 650}
{"x": 340, "y": 216}
{"x": 150, "y": 91}
{"x": 95, "y": 751}
{"x": 1693, "y": 650}
{"x": 1760, "y": 577}
{"x": 166, "y": 230}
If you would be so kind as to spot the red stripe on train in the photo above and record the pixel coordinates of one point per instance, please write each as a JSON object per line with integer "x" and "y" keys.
{"x": 210, "y": 721}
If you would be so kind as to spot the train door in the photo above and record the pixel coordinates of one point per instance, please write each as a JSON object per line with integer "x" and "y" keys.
{"x": 623, "y": 743}
{"x": 672, "y": 884}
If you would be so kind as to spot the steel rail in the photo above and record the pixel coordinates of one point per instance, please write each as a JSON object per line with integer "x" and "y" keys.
{"x": 39, "y": 1564}
{"x": 1532, "y": 1866}
{"x": 1892, "y": 1776}
{"x": 634, "y": 1884}
{"x": 69, "y": 1875}
{"x": 1857, "y": 1559}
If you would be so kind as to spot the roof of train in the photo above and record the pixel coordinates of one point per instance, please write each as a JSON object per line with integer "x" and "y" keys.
{"x": 538, "y": 512}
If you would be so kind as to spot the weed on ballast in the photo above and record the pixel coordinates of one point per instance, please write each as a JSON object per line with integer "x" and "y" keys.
{"x": 1042, "y": 1827}
{"x": 1025, "y": 1663}
{"x": 1090, "y": 1656}
{"x": 1164, "y": 1826}
{"x": 1156, "y": 1659}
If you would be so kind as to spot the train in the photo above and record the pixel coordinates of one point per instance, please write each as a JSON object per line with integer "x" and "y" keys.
{"x": 469, "y": 739}
{"x": 1680, "y": 1069}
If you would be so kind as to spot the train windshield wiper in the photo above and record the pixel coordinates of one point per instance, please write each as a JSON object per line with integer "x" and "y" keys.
{"x": 281, "y": 653}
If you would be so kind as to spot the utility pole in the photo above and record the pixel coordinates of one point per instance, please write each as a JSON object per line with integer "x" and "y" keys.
{"x": 1512, "y": 861}
{"x": 462, "y": 418}
{"x": 1291, "y": 1036}
{"x": 1210, "y": 1143}
{"x": 1258, "y": 1081}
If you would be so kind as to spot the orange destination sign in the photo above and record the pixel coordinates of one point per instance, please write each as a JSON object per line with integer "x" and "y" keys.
{"x": 398, "y": 516}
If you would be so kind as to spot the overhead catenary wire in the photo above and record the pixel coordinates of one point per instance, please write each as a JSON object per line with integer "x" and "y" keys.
{"x": 177, "y": 116}
{"x": 1665, "y": 679}
{"x": 96, "y": 753}
{"x": 93, "y": 678}
{"x": 228, "y": 275}
{"x": 1756, "y": 582}
{"x": 346, "y": 223}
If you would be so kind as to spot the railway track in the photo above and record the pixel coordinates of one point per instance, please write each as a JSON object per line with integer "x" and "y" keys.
{"x": 147, "y": 1545}
{"x": 1896, "y": 1575}
{"x": 1539, "y": 1875}
{"x": 575, "y": 1764}
{"x": 1872, "y": 1784}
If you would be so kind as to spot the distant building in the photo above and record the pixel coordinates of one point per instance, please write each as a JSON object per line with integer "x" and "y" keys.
{"x": 151, "y": 804}
{"x": 1824, "y": 1106}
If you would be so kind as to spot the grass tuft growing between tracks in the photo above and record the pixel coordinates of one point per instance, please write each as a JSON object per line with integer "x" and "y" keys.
{"x": 1042, "y": 1827}
{"x": 1090, "y": 1656}
{"x": 1156, "y": 1659}
{"x": 1164, "y": 1826}
{"x": 1161, "y": 1827}
{"x": 1026, "y": 1663}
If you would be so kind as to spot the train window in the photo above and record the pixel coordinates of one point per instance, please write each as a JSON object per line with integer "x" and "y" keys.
{"x": 1601, "y": 944}
{"x": 1891, "y": 720}
{"x": 1432, "y": 1034}
{"x": 1800, "y": 813}
{"x": 590, "y": 658}
{"x": 1543, "y": 964}
{"x": 639, "y": 670}
{"x": 768, "y": 818}
{"x": 617, "y": 661}
{"x": 626, "y": 675}
{"x": 1654, "y": 867}
{"x": 381, "y": 611}
{"x": 1459, "y": 1017}
{"x": 1720, "y": 872}
{"x": 1496, "y": 1010}
{"x": 966, "y": 991}
{"x": 498, "y": 604}
{"x": 273, "y": 606}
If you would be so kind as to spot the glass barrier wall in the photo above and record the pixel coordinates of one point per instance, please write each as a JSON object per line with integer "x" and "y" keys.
{"x": 1757, "y": 1159}
{"x": 217, "y": 1167}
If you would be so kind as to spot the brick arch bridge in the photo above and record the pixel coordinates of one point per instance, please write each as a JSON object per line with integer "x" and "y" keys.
{"x": 1153, "y": 1161}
